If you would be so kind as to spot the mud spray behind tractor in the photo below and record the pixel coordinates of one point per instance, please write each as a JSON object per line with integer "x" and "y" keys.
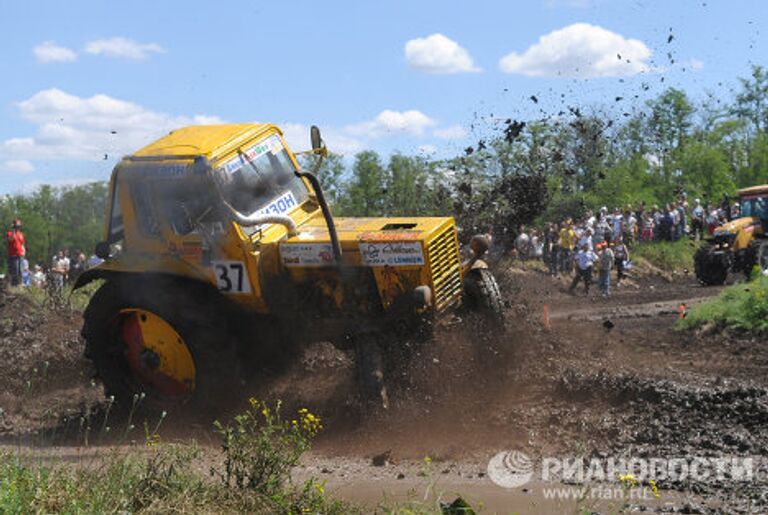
{"x": 222, "y": 256}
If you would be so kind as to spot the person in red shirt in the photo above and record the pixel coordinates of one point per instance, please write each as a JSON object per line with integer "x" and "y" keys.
{"x": 16, "y": 251}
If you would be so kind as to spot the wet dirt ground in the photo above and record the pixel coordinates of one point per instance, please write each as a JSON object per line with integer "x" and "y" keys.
{"x": 560, "y": 382}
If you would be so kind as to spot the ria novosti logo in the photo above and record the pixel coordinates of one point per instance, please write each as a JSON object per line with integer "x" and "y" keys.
{"x": 510, "y": 469}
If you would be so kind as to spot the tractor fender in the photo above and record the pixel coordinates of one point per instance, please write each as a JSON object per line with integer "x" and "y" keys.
{"x": 127, "y": 266}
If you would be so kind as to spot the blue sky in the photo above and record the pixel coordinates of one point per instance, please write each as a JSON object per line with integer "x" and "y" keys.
{"x": 87, "y": 82}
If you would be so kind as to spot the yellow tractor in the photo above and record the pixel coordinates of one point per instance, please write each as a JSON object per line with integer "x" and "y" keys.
{"x": 221, "y": 257}
{"x": 738, "y": 245}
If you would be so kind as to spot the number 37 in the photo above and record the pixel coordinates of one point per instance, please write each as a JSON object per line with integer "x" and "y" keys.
{"x": 231, "y": 277}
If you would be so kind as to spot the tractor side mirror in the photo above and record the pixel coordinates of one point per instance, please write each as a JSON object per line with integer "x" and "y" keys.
{"x": 318, "y": 145}
{"x": 317, "y": 140}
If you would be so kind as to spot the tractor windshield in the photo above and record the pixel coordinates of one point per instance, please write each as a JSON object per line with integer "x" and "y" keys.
{"x": 261, "y": 179}
{"x": 755, "y": 206}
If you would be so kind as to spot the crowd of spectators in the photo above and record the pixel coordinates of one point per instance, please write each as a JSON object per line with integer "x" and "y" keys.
{"x": 61, "y": 271}
{"x": 604, "y": 239}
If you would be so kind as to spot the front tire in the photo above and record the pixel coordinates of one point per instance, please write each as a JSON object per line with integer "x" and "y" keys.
{"x": 710, "y": 269}
{"x": 163, "y": 338}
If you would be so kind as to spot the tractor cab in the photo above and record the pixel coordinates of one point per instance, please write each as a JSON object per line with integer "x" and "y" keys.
{"x": 753, "y": 203}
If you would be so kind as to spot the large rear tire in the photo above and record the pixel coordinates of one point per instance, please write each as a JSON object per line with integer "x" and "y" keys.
{"x": 482, "y": 295}
{"x": 187, "y": 364}
{"x": 710, "y": 271}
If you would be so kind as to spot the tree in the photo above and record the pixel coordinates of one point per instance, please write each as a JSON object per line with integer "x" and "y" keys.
{"x": 752, "y": 100}
{"x": 330, "y": 173}
{"x": 406, "y": 181}
{"x": 365, "y": 195}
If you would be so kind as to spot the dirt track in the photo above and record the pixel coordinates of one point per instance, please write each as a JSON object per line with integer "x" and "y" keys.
{"x": 576, "y": 389}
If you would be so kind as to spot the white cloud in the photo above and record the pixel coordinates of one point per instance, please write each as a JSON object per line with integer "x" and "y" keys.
{"x": 390, "y": 122}
{"x": 580, "y": 50}
{"x": 427, "y": 150}
{"x": 454, "y": 132}
{"x": 72, "y": 127}
{"x": 50, "y": 52}
{"x": 123, "y": 47}
{"x": 297, "y": 136}
{"x": 17, "y": 166}
{"x": 696, "y": 64}
{"x": 438, "y": 54}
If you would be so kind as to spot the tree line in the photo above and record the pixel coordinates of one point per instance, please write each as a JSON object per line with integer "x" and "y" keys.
{"x": 522, "y": 171}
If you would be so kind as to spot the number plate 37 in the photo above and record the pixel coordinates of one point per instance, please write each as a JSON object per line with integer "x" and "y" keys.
{"x": 231, "y": 277}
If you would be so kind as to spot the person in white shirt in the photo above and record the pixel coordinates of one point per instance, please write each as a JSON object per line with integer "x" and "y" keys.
{"x": 587, "y": 239}
{"x": 618, "y": 224}
{"x": 585, "y": 260}
{"x": 59, "y": 270}
{"x": 697, "y": 220}
{"x": 523, "y": 244}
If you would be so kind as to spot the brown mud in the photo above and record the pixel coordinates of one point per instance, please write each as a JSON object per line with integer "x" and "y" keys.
{"x": 593, "y": 377}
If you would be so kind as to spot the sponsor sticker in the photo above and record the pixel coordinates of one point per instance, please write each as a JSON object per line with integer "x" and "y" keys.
{"x": 280, "y": 205}
{"x": 392, "y": 254}
{"x": 389, "y": 235}
{"x": 306, "y": 254}
{"x": 271, "y": 144}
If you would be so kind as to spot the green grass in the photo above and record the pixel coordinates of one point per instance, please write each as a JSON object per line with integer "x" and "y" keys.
{"x": 667, "y": 255}
{"x": 742, "y": 307}
{"x": 250, "y": 475}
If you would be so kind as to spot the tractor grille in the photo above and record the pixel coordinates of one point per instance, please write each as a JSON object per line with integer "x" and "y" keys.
{"x": 445, "y": 268}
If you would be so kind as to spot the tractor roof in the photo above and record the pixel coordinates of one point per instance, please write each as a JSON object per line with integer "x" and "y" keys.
{"x": 754, "y": 190}
{"x": 204, "y": 140}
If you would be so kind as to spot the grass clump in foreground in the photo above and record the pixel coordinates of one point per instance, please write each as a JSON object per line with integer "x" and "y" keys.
{"x": 259, "y": 450}
{"x": 667, "y": 255}
{"x": 742, "y": 307}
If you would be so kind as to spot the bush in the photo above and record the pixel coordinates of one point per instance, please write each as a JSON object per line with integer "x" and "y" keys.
{"x": 667, "y": 255}
{"x": 741, "y": 306}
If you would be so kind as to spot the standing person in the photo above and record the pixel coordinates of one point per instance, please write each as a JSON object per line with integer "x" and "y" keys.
{"x": 712, "y": 219}
{"x": 567, "y": 243}
{"x": 587, "y": 239}
{"x": 682, "y": 228}
{"x": 630, "y": 226}
{"x": 674, "y": 228}
{"x": 648, "y": 228}
{"x": 697, "y": 220}
{"x": 523, "y": 244}
{"x": 26, "y": 276}
{"x": 59, "y": 270}
{"x": 725, "y": 207}
{"x": 38, "y": 278}
{"x": 620, "y": 255}
{"x": 553, "y": 237}
{"x": 536, "y": 248}
{"x": 585, "y": 260}
{"x": 618, "y": 224}
{"x": 77, "y": 266}
{"x": 16, "y": 251}
{"x": 605, "y": 267}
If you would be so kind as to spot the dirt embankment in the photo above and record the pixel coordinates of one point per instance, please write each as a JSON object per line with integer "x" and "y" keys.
{"x": 43, "y": 376}
{"x": 593, "y": 377}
